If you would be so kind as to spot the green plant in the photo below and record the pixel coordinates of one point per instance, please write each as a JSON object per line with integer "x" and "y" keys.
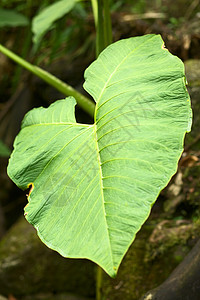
{"x": 12, "y": 18}
{"x": 103, "y": 178}
{"x": 92, "y": 186}
{"x": 4, "y": 150}
{"x": 45, "y": 19}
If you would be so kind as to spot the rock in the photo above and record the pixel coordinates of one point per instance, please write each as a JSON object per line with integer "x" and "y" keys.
{"x": 28, "y": 267}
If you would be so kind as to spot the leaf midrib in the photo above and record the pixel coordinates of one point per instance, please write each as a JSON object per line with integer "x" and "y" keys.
{"x": 96, "y": 139}
{"x": 101, "y": 187}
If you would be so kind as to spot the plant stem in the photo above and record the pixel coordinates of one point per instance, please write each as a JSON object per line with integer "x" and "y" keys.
{"x": 99, "y": 283}
{"x": 85, "y": 103}
{"x": 103, "y": 25}
{"x": 100, "y": 38}
{"x": 95, "y": 11}
{"x": 107, "y": 23}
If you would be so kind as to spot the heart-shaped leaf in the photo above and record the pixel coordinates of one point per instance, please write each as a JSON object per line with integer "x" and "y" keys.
{"x": 93, "y": 185}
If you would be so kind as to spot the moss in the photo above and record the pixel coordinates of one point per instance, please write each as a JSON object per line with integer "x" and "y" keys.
{"x": 174, "y": 238}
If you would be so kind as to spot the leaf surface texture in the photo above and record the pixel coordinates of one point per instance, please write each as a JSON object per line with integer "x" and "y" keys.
{"x": 93, "y": 185}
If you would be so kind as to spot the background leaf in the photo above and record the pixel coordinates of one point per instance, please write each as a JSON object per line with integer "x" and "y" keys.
{"x": 4, "y": 150}
{"x": 12, "y": 18}
{"x": 93, "y": 185}
{"x": 44, "y": 20}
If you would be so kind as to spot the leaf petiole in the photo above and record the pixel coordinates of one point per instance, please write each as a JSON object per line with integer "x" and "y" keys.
{"x": 85, "y": 103}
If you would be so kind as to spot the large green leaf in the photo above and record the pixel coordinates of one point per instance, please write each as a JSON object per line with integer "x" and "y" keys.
{"x": 44, "y": 20}
{"x": 12, "y": 18}
{"x": 93, "y": 185}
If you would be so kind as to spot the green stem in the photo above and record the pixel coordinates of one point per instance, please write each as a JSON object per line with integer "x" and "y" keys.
{"x": 103, "y": 24}
{"x": 100, "y": 38}
{"x": 107, "y": 23}
{"x": 99, "y": 283}
{"x": 95, "y": 11}
{"x": 85, "y": 103}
